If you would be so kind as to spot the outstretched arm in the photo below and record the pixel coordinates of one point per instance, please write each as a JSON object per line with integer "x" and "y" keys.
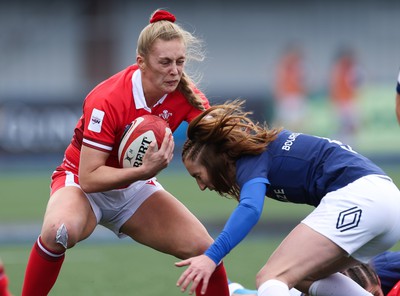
{"x": 239, "y": 224}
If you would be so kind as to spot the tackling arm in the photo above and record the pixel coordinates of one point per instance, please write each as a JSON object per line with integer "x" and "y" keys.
{"x": 241, "y": 221}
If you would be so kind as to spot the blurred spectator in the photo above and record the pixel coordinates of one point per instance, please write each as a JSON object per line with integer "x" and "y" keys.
{"x": 290, "y": 91}
{"x": 3, "y": 281}
{"x": 345, "y": 80}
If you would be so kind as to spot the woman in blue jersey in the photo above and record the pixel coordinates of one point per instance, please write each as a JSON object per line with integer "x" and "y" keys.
{"x": 357, "y": 214}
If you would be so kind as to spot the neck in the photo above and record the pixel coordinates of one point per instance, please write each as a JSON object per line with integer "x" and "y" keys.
{"x": 151, "y": 97}
{"x": 151, "y": 102}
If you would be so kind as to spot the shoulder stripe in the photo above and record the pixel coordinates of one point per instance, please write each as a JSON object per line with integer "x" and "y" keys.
{"x": 96, "y": 145}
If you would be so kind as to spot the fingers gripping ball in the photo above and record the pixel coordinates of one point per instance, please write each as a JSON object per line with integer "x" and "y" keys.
{"x": 137, "y": 138}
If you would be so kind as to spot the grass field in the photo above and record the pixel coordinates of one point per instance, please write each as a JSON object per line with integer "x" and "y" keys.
{"x": 129, "y": 269}
{"x": 123, "y": 267}
{"x": 24, "y": 197}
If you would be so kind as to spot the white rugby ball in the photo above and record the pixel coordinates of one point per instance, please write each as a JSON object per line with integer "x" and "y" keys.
{"x": 137, "y": 138}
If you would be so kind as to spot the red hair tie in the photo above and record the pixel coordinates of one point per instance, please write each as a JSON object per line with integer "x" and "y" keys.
{"x": 162, "y": 15}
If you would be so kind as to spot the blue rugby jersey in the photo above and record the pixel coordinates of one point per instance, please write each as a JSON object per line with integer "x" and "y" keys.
{"x": 296, "y": 168}
{"x": 302, "y": 168}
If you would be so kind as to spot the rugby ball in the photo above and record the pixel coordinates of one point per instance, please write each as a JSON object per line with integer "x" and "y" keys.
{"x": 137, "y": 137}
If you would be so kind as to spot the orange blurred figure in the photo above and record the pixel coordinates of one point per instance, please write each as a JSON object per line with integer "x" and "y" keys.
{"x": 344, "y": 83}
{"x": 290, "y": 90}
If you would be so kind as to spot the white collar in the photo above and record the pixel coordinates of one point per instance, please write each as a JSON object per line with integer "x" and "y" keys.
{"x": 138, "y": 94}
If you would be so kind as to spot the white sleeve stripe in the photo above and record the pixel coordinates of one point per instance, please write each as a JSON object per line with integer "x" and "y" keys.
{"x": 91, "y": 143}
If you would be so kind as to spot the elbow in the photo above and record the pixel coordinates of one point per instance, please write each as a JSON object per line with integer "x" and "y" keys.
{"x": 254, "y": 213}
{"x": 86, "y": 186}
{"x": 257, "y": 216}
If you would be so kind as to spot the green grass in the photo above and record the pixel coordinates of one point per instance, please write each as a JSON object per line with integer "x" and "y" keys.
{"x": 131, "y": 269}
{"x": 128, "y": 268}
{"x": 124, "y": 267}
{"x": 24, "y": 198}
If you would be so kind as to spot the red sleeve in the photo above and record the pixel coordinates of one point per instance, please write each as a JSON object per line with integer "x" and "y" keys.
{"x": 100, "y": 121}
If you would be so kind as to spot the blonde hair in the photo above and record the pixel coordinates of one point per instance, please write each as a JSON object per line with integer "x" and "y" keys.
{"x": 167, "y": 30}
{"x": 221, "y": 135}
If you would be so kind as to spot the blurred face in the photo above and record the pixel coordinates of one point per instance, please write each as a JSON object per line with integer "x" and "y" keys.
{"x": 199, "y": 172}
{"x": 162, "y": 69}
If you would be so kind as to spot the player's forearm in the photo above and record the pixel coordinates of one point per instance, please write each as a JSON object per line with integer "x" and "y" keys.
{"x": 107, "y": 178}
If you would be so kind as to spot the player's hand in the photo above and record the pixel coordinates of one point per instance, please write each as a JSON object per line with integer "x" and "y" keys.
{"x": 200, "y": 270}
{"x": 154, "y": 161}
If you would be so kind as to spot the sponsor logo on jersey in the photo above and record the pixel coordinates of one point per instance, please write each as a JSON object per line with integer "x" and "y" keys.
{"x": 348, "y": 219}
{"x": 165, "y": 114}
{"x": 96, "y": 120}
{"x": 290, "y": 140}
{"x": 280, "y": 195}
{"x": 151, "y": 182}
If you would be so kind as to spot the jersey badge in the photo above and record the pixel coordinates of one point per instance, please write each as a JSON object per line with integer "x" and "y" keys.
{"x": 96, "y": 120}
{"x": 348, "y": 219}
{"x": 165, "y": 114}
{"x": 151, "y": 182}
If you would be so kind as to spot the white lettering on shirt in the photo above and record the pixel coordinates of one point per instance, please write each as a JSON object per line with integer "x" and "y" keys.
{"x": 290, "y": 140}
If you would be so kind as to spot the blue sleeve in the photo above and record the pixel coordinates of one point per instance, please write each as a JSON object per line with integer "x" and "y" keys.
{"x": 242, "y": 219}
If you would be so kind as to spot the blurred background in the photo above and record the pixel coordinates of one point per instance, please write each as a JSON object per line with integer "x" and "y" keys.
{"x": 323, "y": 67}
{"x": 54, "y": 52}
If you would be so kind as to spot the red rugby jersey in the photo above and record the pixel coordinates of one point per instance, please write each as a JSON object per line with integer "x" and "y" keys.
{"x": 115, "y": 103}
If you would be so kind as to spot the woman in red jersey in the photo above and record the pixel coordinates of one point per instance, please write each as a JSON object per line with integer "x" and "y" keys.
{"x": 90, "y": 188}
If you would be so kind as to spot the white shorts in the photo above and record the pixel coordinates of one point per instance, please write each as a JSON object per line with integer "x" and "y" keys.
{"x": 363, "y": 218}
{"x": 113, "y": 208}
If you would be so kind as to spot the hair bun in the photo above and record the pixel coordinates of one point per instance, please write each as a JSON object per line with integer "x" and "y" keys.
{"x": 162, "y": 15}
